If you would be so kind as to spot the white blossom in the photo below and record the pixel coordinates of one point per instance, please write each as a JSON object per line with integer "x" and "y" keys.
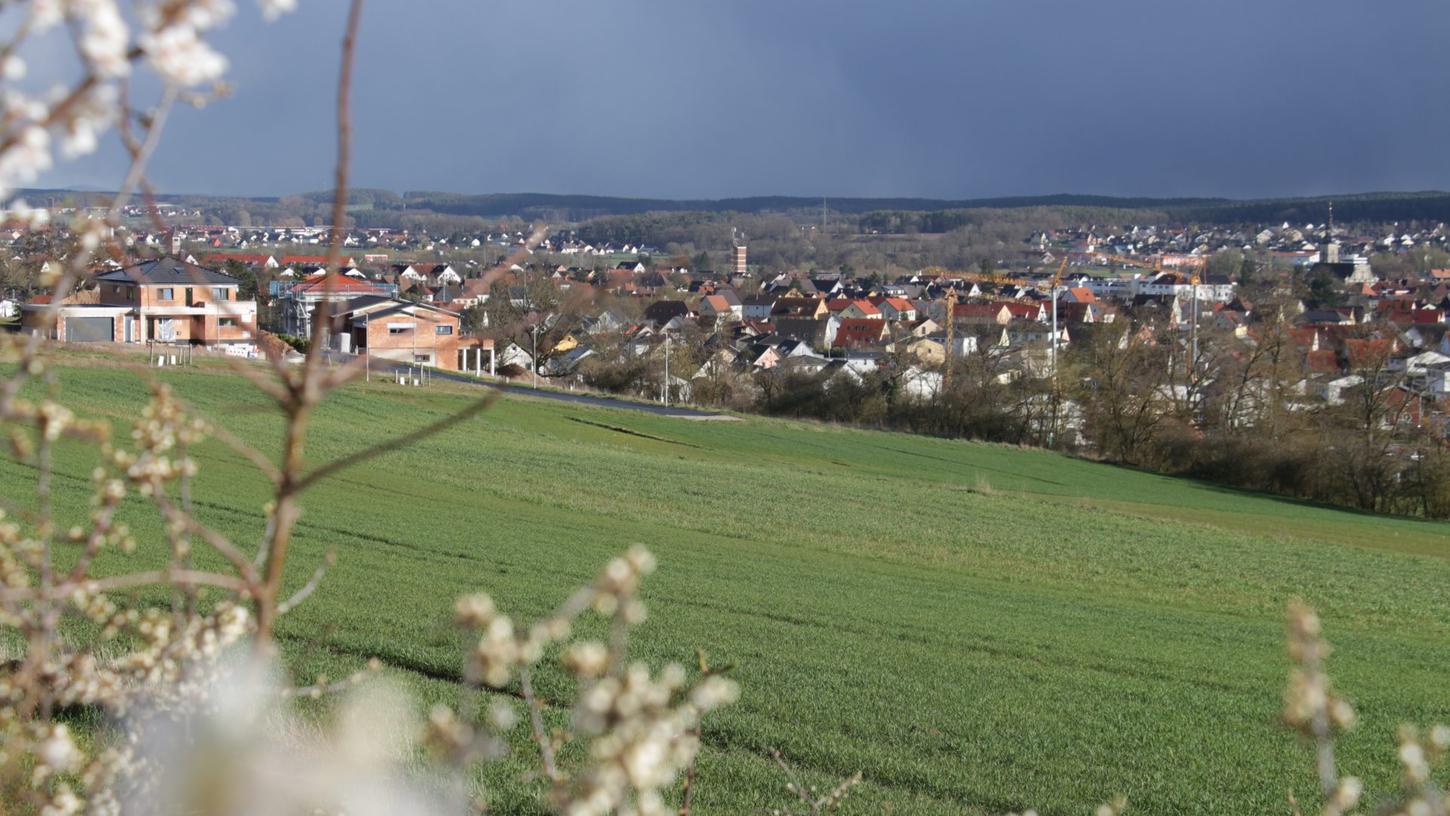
{"x": 12, "y": 68}
{"x": 27, "y": 158}
{"x": 57, "y": 751}
{"x": 272, "y": 9}
{"x": 104, "y": 42}
{"x": 179, "y": 55}
{"x": 45, "y": 14}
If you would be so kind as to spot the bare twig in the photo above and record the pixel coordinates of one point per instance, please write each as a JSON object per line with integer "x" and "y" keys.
{"x": 129, "y": 581}
{"x": 324, "y": 471}
{"x": 536, "y": 723}
{"x": 303, "y": 387}
{"x": 308, "y": 588}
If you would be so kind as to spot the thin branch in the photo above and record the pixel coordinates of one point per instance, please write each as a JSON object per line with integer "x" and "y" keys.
{"x": 303, "y": 389}
{"x": 323, "y": 319}
{"x": 536, "y": 722}
{"x": 310, "y": 587}
{"x": 218, "y": 542}
{"x": 128, "y": 581}
{"x": 236, "y": 443}
{"x": 398, "y": 442}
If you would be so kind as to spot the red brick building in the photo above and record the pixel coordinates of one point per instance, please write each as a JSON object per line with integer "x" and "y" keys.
{"x": 403, "y": 331}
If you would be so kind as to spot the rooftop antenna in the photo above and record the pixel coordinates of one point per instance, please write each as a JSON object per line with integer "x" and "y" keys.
{"x": 823, "y": 213}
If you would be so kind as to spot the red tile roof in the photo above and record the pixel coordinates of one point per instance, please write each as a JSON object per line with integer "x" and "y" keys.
{"x": 859, "y": 331}
{"x": 1322, "y": 362}
{"x": 338, "y": 283}
{"x": 222, "y": 257}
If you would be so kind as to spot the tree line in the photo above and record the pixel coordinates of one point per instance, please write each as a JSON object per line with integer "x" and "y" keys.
{"x": 1235, "y": 413}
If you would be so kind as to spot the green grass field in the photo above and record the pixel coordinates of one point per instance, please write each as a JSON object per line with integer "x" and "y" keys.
{"x": 975, "y": 628}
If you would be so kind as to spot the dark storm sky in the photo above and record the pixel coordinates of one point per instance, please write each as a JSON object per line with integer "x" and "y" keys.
{"x": 940, "y": 98}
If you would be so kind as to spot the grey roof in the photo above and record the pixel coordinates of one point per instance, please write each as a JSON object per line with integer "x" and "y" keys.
{"x": 394, "y": 306}
{"x": 168, "y": 272}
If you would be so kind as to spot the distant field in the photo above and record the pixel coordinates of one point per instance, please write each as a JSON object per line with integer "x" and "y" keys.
{"x": 976, "y": 628}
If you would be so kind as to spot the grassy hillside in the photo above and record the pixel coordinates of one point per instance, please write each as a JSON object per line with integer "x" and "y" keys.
{"x": 976, "y": 628}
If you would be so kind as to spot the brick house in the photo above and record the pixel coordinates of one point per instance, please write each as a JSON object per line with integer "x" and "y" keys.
{"x": 162, "y": 299}
{"x": 402, "y": 331}
{"x": 860, "y": 332}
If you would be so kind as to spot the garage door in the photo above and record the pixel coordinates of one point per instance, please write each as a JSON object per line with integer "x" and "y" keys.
{"x": 89, "y": 329}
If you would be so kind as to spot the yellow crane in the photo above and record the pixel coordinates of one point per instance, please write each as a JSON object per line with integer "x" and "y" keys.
{"x": 997, "y": 279}
{"x": 949, "y": 300}
{"x": 1154, "y": 264}
{"x": 1056, "y": 285}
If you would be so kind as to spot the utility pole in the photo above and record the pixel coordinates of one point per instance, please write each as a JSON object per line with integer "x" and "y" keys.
{"x": 367, "y": 348}
{"x": 1056, "y": 288}
{"x": 1193, "y": 330}
{"x": 534, "y": 357}
{"x": 950, "y": 299}
{"x": 666, "y": 398}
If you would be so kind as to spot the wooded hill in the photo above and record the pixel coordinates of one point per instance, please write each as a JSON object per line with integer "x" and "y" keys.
{"x": 385, "y": 208}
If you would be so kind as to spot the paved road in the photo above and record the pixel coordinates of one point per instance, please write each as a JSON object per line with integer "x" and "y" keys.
{"x": 585, "y": 399}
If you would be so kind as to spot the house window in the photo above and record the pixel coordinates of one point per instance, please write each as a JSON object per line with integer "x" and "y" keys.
{"x": 219, "y": 293}
{"x": 443, "y": 329}
{"x": 130, "y": 292}
{"x": 227, "y": 322}
{"x": 422, "y": 358}
{"x": 167, "y": 293}
{"x": 399, "y": 329}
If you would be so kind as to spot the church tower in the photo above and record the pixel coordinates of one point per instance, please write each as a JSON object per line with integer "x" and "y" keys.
{"x": 1329, "y": 249}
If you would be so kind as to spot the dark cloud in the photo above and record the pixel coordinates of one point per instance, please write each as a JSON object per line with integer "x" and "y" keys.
{"x": 943, "y": 98}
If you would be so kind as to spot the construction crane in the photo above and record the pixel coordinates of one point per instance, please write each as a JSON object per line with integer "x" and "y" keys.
{"x": 950, "y": 301}
{"x": 1056, "y": 285}
{"x": 997, "y": 279}
{"x": 1155, "y": 263}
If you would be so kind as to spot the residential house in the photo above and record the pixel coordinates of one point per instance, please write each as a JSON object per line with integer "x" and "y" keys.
{"x": 921, "y": 383}
{"x": 982, "y": 314}
{"x": 1437, "y": 381}
{"x": 800, "y": 307}
{"x": 759, "y": 307}
{"x": 516, "y": 355}
{"x": 661, "y": 312}
{"x": 860, "y": 332}
{"x": 895, "y": 308}
{"x": 720, "y": 306}
{"x": 817, "y": 333}
{"x": 162, "y": 299}
{"x": 608, "y": 322}
{"x": 1332, "y": 389}
{"x": 859, "y": 308}
{"x": 401, "y": 331}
